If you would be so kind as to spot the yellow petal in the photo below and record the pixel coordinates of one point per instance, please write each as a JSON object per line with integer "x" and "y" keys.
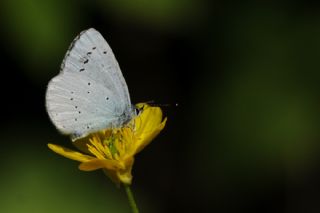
{"x": 121, "y": 175}
{"x": 148, "y": 120}
{"x": 147, "y": 137}
{"x": 100, "y": 164}
{"x": 147, "y": 125}
{"x": 125, "y": 175}
{"x": 68, "y": 153}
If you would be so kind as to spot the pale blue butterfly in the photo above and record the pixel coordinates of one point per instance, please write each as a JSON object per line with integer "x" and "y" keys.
{"x": 89, "y": 93}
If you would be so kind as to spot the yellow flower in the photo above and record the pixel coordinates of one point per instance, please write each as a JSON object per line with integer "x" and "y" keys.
{"x": 113, "y": 150}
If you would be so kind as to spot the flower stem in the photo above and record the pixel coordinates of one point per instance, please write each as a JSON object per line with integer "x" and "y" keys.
{"x": 132, "y": 203}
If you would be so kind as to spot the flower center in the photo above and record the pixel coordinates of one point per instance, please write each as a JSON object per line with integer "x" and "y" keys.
{"x": 111, "y": 144}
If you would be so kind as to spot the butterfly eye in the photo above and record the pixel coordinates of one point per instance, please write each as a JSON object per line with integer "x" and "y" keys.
{"x": 137, "y": 111}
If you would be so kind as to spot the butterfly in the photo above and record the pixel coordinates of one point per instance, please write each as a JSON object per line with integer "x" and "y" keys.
{"x": 90, "y": 92}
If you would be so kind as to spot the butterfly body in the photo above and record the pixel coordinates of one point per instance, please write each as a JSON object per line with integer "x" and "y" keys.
{"x": 89, "y": 93}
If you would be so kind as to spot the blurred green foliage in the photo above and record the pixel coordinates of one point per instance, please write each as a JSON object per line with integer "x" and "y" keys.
{"x": 36, "y": 32}
{"x": 157, "y": 14}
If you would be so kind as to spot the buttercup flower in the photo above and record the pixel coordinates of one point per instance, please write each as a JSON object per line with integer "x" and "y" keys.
{"x": 113, "y": 150}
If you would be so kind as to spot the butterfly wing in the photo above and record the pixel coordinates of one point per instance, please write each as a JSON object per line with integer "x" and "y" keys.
{"x": 90, "y": 55}
{"x": 90, "y": 92}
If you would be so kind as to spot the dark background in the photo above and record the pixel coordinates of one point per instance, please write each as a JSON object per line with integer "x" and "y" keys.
{"x": 245, "y": 75}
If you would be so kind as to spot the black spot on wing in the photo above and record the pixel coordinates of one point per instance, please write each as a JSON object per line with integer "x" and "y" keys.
{"x": 71, "y": 46}
{"x": 81, "y": 70}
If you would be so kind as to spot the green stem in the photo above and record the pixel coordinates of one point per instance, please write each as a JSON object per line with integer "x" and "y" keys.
{"x": 131, "y": 199}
